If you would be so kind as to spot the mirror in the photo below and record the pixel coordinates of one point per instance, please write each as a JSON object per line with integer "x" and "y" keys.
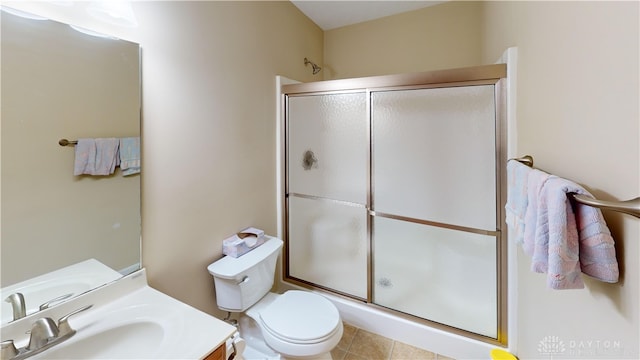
{"x": 60, "y": 83}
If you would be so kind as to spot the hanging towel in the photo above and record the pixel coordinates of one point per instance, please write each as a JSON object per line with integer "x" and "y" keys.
{"x": 517, "y": 198}
{"x": 96, "y": 156}
{"x": 574, "y": 242}
{"x": 556, "y": 250}
{"x": 595, "y": 248}
{"x": 85, "y": 149}
{"x": 535, "y": 182}
{"x": 130, "y": 155}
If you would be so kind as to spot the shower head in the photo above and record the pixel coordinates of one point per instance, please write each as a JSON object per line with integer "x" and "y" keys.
{"x": 316, "y": 68}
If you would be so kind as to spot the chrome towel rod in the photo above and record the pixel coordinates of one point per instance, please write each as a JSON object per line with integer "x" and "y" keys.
{"x": 65, "y": 142}
{"x": 630, "y": 207}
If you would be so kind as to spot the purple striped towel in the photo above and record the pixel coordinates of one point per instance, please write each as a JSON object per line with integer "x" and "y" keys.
{"x": 571, "y": 238}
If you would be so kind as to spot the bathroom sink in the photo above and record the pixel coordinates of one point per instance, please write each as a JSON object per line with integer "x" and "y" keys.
{"x": 128, "y": 320}
{"x": 136, "y": 330}
{"x": 137, "y": 340}
{"x": 71, "y": 280}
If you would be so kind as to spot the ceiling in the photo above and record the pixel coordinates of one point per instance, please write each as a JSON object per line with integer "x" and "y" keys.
{"x": 331, "y": 14}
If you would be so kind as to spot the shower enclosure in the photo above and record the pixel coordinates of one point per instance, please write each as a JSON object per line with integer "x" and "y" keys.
{"x": 394, "y": 190}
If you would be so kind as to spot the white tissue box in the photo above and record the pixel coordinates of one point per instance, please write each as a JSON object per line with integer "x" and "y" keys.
{"x": 243, "y": 242}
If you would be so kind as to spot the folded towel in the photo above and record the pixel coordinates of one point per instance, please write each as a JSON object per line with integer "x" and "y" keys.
{"x": 96, "y": 156}
{"x": 130, "y": 155}
{"x": 517, "y": 199}
{"x": 556, "y": 250}
{"x": 596, "y": 247}
{"x": 85, "y": 149}
{"x": 569, "y": 243}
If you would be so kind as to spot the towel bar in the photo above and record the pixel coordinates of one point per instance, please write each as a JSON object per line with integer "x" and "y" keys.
{"x": 630, "y": 207}
{"x": 65, "y": 142}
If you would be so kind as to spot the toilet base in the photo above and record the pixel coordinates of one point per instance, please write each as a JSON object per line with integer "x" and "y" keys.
{"x": 253, "y": 354}
{"x": 257, "y": 348}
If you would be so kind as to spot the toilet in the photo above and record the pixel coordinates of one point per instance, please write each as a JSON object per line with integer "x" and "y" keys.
{"x": 295, "y": 324}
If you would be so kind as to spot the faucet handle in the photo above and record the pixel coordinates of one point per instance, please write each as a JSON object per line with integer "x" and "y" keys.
{"x": 55, "y": 300}
{"x": 42, "y": 331}
{"x": 8, "y": 349}
{"x": 63, "y": 323}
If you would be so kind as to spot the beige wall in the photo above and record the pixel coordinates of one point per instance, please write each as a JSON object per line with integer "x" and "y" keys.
{"x": 209, "y": 127}
{"x": 577, "y": 114}
{"x": 439, "y": 37}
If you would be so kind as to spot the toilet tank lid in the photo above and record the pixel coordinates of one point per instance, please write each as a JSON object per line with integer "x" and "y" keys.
{"x": 229, "y": 267}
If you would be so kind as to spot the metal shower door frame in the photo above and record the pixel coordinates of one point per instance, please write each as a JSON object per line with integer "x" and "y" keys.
{"x": 479, "y": 75}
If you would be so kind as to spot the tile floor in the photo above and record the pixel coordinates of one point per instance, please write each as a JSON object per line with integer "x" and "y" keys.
{"x": 358, "y": 344}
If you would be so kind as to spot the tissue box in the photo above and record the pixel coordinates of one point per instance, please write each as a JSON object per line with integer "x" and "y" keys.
{"x": 243, "y": 242}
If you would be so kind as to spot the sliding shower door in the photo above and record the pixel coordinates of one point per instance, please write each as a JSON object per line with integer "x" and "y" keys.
{"x": 394, "y": 193}
{"x": 434, "y": 200}
{"x": 327, "y": 191}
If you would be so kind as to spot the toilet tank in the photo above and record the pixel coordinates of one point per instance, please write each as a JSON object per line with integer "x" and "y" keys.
{"x": 241, "y": 282}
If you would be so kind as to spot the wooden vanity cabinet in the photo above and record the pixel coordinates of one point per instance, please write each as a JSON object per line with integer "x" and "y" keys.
{"x": 218, "y": 354}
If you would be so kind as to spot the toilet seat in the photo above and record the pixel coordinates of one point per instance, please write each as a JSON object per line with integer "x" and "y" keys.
{"x": 301, "y": 317}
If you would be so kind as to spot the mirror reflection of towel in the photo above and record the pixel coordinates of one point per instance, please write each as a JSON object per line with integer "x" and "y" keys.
{"x": 96, "y": 156}
{"x": 130, "y": 155}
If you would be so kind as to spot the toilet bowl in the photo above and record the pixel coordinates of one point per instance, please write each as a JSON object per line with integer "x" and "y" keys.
{"x": 298, "y": 323}
{"x": 295, "y": 324}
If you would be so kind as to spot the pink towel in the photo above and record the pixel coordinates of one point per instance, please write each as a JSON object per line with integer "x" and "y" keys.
{"x": 96, "y": 156}
{"x": 568, "y": 242}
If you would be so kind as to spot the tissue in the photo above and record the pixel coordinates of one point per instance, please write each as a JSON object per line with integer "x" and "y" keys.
{"x": 243, "y": 242}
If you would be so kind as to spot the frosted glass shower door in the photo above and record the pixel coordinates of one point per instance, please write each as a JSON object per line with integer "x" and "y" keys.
{"x": 438, "y": 274}
{"x": 434, "y": 199}
{"x": 328, "y": 245}
{"x": 327, "y": 156}
{"x": 327, "y": 146}
{"x": 434, "y": 154}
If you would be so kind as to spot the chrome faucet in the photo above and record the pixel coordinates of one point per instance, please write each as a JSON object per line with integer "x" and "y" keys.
{"x": 44, "y": 334}
{"x": 47, "y": 304}
{"x": 43, "y": 331}
{"x": 17, "y": 303}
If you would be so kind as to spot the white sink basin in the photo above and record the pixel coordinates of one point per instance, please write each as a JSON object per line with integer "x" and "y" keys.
{"x": 137, "y": 340}
{"x": 128, "y": 320}
{"x": 74, "y": 279}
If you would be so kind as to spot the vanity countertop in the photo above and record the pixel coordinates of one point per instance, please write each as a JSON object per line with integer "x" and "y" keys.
{"x": 129, "y": 319}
